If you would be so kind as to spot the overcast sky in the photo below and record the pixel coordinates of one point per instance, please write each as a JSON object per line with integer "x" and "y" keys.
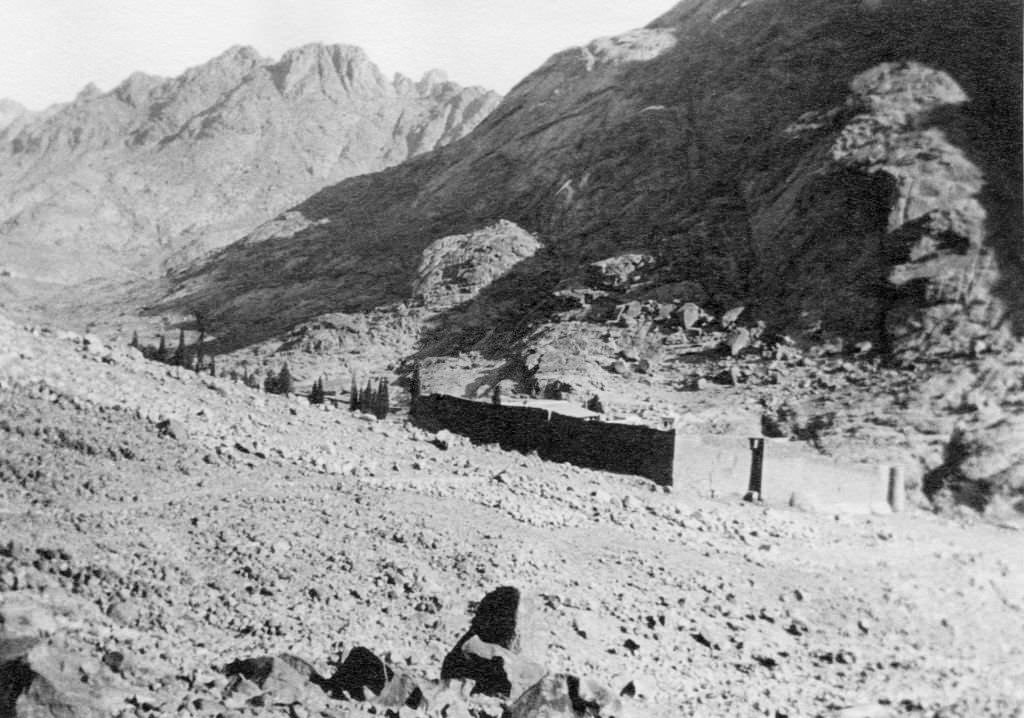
{"x": 50, "y": 49}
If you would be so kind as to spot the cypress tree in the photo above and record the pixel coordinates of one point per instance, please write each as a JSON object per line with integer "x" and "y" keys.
{"x": 199, "y": 349}
{"x": 385, "y": 402}
{"x": 213, "y": 366}
{"x": 353, "y": 395}
{"x": 178, "y": 359}
{"x": 161, "y": 351}
{"x": 284, "y": 380}
{"x": 135, "y": 340}
{"x": 414, "y": 382}
{"x": 496, "y": 395}
{"x": 378, "y": 404}
{"x": 366, "y": 403}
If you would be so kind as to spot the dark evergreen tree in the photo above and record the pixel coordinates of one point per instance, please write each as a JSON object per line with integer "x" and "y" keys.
{"x": 385, "y": 399}
{"x": 380, "y": 409}
{"x": 353, "y": 395}
{"x": 161, "y": 351}
{"x": 496, "y": 395}
{"x": 366, "y": 403}
{"x": 135, "y": 341}
{"x": 414, "y": 382}
{"x": 213, "y": 366}
{"x": 316, "y": 394}
{"x": 199, "y": 349}
{"x": 284, "y": 380}
{"x": 178, "y": 359}
{"x": 595, "y": 405}
{"x": 270, "y": 384}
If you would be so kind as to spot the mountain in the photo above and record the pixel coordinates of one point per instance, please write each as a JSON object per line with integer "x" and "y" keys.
{"x": 165, "y": 169}
{"x": 851, "y": 167}
{"x": 11, "y": 112}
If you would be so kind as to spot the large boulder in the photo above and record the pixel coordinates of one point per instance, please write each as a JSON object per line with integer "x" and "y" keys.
{"x": 456, "y": 268}
{"x": 564, "y": 696}
{"x": 619, "y": 272}
{"x": 489, "y": 652}
{"x": 982, "y": 462}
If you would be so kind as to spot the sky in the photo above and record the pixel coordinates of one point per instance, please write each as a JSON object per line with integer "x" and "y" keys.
{"x": 51, "y": 49}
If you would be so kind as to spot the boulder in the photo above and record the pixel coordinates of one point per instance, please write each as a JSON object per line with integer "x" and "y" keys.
{"x": 982, "y": 461}
{"x": 283, "y": 678}
{"x": 489, "y": 653}
{"x": 171, "y": 428}
{"x": 564, "y": 696}
{"x": 361, "y": 675}
{"x": 619, "y": 272}
{"x": 46, "y": 681}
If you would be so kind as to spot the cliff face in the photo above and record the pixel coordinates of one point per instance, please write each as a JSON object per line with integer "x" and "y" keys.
{"x": 849, "y": 165}
{"x": 168, "y": 168}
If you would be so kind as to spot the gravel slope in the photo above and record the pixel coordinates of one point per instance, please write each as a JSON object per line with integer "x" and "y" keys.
{"x": 265, "y": 525}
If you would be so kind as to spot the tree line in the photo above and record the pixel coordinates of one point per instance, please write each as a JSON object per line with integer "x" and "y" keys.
{"x": 372, "y": 399}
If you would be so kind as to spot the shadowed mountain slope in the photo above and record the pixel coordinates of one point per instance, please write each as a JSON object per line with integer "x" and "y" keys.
{"x": 162, "y": 168}
{"x": 852, "y": 164}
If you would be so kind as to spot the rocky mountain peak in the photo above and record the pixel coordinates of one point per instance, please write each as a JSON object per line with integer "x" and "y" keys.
{"x": 336, "y": 70}
{"x": 157, "y": 167}
{"x": 10, "y": 111}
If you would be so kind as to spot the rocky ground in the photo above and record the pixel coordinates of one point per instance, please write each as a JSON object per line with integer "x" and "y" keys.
{"x": 158, "y": 526}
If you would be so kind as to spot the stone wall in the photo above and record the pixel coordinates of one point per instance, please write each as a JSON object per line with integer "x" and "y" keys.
{"x": 622, "y": 448}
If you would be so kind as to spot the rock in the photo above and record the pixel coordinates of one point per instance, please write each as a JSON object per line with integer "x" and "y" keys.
{"x": 284, "y": 678}
{"x": 692, "y": 315}
{"x": 126, "y": 613}
{"x": 456, "y": 268}
{"x": 803, "y": 501}
{"x": 172, "y": 428}
{"x": 739, "y": 339}
{"x": 565, "y": 696}
{"x": 639, "y": 686}
{"x": 711, "y": 635}
{"x": 619, "y": 272}
{"x": 94, "y": 345}
{"x": 361, "y": 675}
{"x": 49, "y": 682}
{"x": 982, "y": 461}
{"x": 489, "y": 653}
{"x": 730, "y": 317}
{"x": 621, "y": 368}
{"x": 442, "y": 439}
{"x": 25, "y": 620}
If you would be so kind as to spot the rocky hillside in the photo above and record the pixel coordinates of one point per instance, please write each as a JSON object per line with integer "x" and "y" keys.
{"x": 160, "y": 168}
{"x": 160, "y": 527}
{"x": 850, "y": 167}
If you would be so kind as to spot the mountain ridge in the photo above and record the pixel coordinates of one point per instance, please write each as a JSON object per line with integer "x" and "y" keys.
{"x": 731, "y": 139}
{"x": 159, "y": 167}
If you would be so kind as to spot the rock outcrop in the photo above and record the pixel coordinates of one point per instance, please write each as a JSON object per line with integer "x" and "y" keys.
{"x": 850, "y": 166}
{"x": 160, "y": 168}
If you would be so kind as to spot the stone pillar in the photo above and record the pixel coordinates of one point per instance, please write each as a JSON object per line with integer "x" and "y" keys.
{"x": 897, "y": 489}
{"x": 754, "y": 492}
